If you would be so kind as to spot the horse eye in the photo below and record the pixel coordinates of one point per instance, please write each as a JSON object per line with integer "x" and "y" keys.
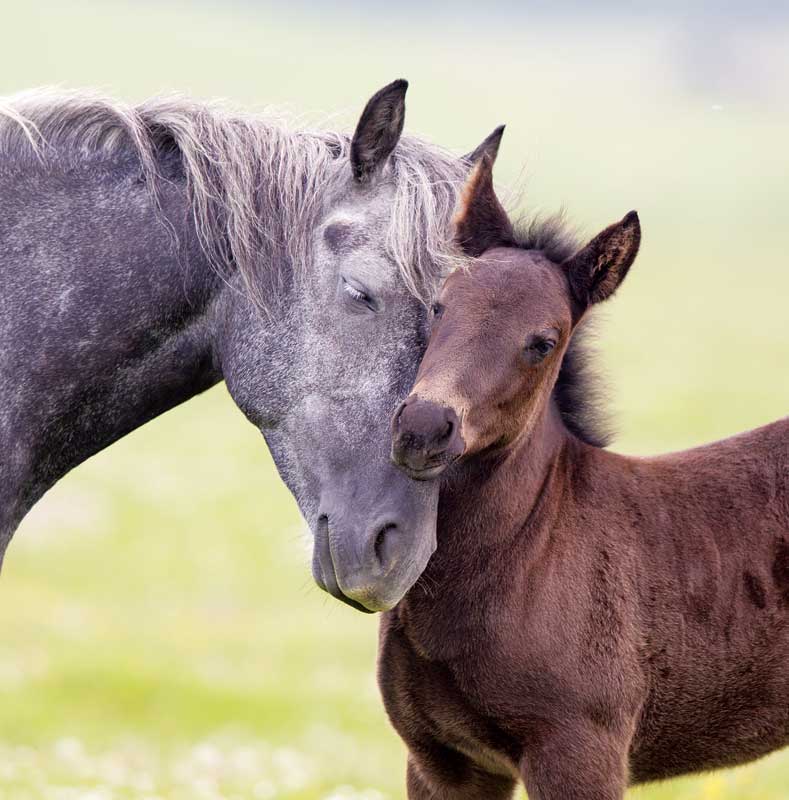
{"x": 357, "y": 295}
{"x": 436, "y": 310}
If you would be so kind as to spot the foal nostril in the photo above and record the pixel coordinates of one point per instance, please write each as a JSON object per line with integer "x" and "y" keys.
{"x": 444, "y": 431}
{"x": 449, "y": 429}
{"x": 398, "y": 414}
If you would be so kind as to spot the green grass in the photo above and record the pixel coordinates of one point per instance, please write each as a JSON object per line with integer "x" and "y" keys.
{"x": 160, "y": 635}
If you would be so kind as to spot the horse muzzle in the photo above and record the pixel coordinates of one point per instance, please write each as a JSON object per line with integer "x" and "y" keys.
{"x": 371, "y": 562}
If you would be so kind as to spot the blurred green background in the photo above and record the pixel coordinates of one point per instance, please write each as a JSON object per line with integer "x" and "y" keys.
{"x": 160, "y": 634}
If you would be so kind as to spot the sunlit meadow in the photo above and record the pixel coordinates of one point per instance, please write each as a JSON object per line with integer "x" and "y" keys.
{"x": 160, "y": 635}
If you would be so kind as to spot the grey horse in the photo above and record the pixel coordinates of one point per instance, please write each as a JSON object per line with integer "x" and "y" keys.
{"x": 148, "y": 252}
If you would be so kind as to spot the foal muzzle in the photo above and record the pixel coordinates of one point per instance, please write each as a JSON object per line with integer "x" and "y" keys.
{"x": 425, "y": 438}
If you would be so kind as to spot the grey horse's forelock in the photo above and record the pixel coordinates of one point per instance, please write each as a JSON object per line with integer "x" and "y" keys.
{"x": 256, "y": 186}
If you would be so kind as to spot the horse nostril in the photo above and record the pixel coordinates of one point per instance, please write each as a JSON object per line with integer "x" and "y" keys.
{"x": 382, "y": 552}
{"x": 448, "y": 431}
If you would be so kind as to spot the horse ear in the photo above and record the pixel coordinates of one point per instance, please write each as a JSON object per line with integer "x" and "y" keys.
{"x": 378, "y": 130}
{"x": 481, "y": 222}
{"x": 488, "y": 146}
{"x": 596, "y": 271}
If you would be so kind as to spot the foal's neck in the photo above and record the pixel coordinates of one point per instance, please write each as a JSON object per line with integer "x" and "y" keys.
{"x": 495, "y": 519}
{"x": 501, "y": 494}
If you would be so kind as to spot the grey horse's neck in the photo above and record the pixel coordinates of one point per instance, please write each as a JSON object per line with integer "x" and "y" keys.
{"x": 104, "y": 322}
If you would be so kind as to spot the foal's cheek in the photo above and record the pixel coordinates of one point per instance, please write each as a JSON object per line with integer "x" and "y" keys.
{"x": 510, "y": 409}
{"x": 477, "y": 431}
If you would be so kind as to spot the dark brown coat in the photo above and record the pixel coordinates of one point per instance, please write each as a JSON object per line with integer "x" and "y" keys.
{"x": 589, "y": 620}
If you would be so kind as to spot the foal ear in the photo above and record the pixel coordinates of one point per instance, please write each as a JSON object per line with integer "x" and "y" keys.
{"x": 481, "y": 222}
{"x": 596, "y": 271}
{"x": 378, "y": 130}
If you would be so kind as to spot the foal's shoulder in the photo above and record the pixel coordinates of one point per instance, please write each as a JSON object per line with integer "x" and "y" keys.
{"x": 750, "y": 465}
{"x": 769, "y": 441}
{"x": 749, "y": 469}
{"x": 758, "y": 447}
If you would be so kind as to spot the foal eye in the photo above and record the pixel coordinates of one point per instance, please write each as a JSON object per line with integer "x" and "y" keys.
{"x": 539, "y": 348}
{"x": 436, "y": 310}
{"x": 544, "y": 346}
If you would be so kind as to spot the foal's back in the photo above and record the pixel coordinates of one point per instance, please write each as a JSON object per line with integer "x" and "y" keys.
{"x": 709, "y": 528}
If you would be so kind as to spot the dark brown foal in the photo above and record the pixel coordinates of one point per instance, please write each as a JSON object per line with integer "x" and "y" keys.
{"x": 588, "y": 620}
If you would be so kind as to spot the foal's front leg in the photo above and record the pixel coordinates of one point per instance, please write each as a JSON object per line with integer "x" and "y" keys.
{"x": 454, "y": 778}
{"x": 576, "y": 763}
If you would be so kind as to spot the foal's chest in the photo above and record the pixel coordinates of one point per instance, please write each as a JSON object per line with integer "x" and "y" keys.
{"x": 430, "y": 708}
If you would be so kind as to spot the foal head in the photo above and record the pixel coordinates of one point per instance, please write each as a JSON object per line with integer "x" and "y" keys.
{"x": 499, "y": 333}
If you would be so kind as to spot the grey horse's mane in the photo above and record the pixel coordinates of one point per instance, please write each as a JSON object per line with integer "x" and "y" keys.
{"x": 256, "y": 185}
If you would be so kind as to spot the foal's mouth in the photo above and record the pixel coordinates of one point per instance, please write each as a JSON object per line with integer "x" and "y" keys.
{"x": 427, "y": 473}
{"x": 323, "y": 567}
{"x": 427, "y": 469}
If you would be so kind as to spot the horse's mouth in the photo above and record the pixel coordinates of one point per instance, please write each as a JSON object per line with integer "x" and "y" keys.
{"x": 323, "y": 568}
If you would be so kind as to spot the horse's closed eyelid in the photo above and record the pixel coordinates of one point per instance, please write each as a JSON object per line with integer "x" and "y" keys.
{"x": 358, "y": 294}
{"x": 354, "y": 292}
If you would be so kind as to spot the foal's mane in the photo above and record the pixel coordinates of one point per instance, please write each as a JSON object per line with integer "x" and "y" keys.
{"x": 578, "y": 393}
{"x": 256, "y": 185}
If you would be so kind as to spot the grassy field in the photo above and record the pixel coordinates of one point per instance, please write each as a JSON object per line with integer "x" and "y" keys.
{"x": 160, "y": 635}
